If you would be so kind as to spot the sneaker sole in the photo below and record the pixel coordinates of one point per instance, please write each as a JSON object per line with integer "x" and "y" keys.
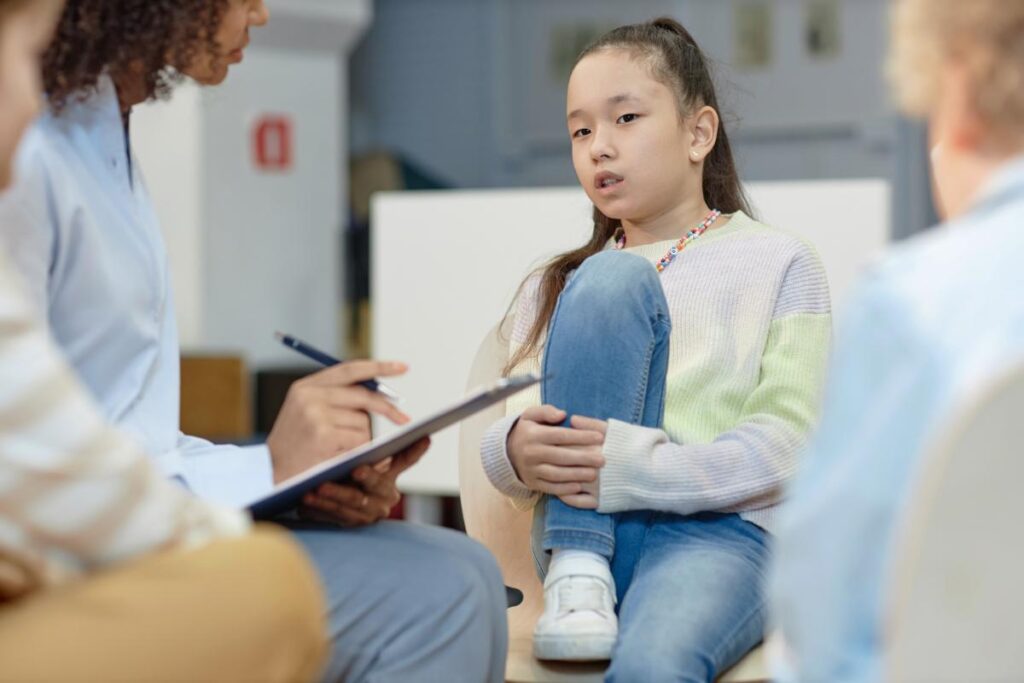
{"x": 573, "y": 649}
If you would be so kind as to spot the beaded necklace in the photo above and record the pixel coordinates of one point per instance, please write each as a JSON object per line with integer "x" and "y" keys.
{"x": 671, "y": 254}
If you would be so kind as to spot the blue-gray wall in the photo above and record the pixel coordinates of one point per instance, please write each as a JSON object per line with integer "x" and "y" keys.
{"x": 464, "y": 89}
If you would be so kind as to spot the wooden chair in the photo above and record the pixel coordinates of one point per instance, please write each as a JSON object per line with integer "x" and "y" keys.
{"x": 956, "y": 594}
{"x": 492, "y": 520}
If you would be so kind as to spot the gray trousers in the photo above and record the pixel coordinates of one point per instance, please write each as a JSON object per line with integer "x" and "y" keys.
{"x": 409, "y": 603}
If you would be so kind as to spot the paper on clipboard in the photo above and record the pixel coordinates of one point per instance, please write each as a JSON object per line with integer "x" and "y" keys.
{"x": 288, "y": 494}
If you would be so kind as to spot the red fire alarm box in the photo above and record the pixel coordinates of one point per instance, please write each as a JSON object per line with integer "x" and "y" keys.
{"x": 273, "y": 138}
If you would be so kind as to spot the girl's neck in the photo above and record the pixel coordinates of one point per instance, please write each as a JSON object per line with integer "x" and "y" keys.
{"x": 668, "y": 225}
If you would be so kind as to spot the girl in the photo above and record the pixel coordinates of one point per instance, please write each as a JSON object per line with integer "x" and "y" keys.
{"x": 685, "y": 344}
{"x": 85, "y": 234}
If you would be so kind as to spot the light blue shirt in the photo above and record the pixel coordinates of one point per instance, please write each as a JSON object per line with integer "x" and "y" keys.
{"x": 80, "y": 226}
{"x": 939, "y": 316}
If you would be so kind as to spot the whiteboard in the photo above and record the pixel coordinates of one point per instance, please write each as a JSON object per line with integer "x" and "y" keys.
{"x": 446, "y": 265}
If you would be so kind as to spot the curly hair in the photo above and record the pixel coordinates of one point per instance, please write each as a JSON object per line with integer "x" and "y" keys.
{"x": 149, "y": 37}
{"x": 985, "y": 36}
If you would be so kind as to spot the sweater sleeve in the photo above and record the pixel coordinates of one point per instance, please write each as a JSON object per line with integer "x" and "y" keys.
{"x": 74, "y": 493}
{"x": 493, "y": 451}
{"x": 746, "y": 467}
{"x": 499, "y": 468}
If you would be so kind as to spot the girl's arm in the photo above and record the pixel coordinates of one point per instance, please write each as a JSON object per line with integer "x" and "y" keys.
{"x": 747, "y": 467}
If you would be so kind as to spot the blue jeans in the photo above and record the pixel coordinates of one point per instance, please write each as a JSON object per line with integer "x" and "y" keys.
{"x": 690, "y": 588}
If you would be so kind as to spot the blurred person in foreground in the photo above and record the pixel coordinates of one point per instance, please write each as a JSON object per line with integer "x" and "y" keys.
{"x": 937, "y": 317}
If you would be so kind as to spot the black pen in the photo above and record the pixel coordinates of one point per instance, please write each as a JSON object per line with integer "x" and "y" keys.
{"x": 328, "y": 360}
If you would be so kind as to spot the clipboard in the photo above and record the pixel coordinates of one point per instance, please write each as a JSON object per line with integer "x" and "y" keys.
{"x": 288, "y": 494}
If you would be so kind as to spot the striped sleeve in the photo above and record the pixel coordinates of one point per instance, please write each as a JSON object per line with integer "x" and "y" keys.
{"x": 747, "y": 467}
{"x": 74, "y": 493}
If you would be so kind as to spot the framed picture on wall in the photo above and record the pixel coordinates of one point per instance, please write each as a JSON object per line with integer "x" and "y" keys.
{"x": 822, "y": 29}
{"x": 754, "y": 34}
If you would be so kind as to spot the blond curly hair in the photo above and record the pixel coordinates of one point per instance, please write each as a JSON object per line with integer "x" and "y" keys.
{"x": 985, "y": 36}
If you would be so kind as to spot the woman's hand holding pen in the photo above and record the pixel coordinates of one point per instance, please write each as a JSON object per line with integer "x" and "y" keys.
{"x": 328, "y": 413}
{"x": 555, "y": 460}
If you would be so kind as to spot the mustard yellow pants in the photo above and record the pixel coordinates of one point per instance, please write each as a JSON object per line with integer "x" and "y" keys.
{"x": 247, "y": 610}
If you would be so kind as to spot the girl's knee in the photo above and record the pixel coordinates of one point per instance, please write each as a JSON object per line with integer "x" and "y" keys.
{"x": 616, "y": 268}
{"x": 613, "y": 279}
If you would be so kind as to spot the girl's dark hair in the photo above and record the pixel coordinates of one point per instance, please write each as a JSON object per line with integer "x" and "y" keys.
{"x": 144, "y": 37}
{"x": 677, "y": 61}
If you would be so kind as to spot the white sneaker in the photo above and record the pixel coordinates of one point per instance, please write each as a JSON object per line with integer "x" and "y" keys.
{"x": 579, "y": 622}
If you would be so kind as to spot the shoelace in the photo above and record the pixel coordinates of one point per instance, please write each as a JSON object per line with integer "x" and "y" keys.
{"x": 579, "y": 594}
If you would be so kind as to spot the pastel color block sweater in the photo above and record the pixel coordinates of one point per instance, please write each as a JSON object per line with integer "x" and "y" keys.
{"x": 751, "y": 325}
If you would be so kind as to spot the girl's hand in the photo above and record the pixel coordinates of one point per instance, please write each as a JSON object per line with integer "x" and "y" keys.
{"x": 587, "y": 499}
{"x": 558, "y": 461}
{"x": 590, "y": 424}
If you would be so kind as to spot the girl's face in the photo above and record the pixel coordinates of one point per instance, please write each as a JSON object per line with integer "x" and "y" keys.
{"x": 232, "y": 37}
{"x": 24, "y": 35}
{"x": 633, "y": 154}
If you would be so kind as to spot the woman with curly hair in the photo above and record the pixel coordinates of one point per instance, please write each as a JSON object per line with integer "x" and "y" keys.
{"x": 145, "y": 47}
{"x": 404, "y": 602}
{"x": 107, "y": 570}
